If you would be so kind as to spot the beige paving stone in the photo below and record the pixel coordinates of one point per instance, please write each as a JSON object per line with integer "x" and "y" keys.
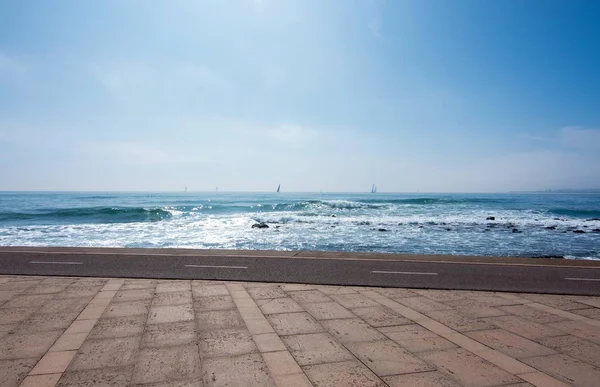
{"x": 119, "y": 352}
{"x": 108, "y": 328}
{"x": 177, "y": 333}
{"x": 309, "y": 296}
{"x": 107, "y": 294}
{"x": 416, "y": 339}
{"x": 439, "y": 295}
{"x": 109, "y": 287}
{"x": 296, "y": 380}
{"x": 348, "y": 373}
{"x": 80, "y": 292}
{"x": 155, "y": 365}
{"x": 294, "y": 323}
{"x": 166, "y": 314}
{"x": 226, "y": 342}
{"x": 567, "y": 369}
{"x": 173, "y": 286}
{"x": 133, "y": 295}
{"x": 510, "y": 344}
{"x": 91, "y": 313}
{"x": 329, "y": 290}
{"x": 556, "y": 301}
{"x": 280, "y": 305}
{"x": 90, "y": 282}
{"x": 523, "y": 327}
{"x": 475, "y": 309}
{"x": 213, "y": 303}
{"x": 328, "y": 311}
{"x": 281, "y": 363}
{"x": 258, "y": 326}
{"x": 542, "y": 380}
{"x": 47, "y": 380}
{"x": 532, "y": 314}
{"x": 69, "y": 341}
{"x": 172, "y": 298}
{"x": 14, "y": 315}
{"x": 396, "y": 292}
{"x": 352, "y": 301}
{"x": 423, "y": 379}
{"x": 219, "y": 319}
{"x": 294, "y": 287}
{"x": 468, "y": 368}
{"x": 251, "y": 371}
{"x": 27, "y": 345}
{"x": 12, "y": 372}
{"x": 593, "y": 313}
{"x": 104, "y": 377}
{"x": 65, "y": 305}
{"x": 7, "y": 295}
{"x": 465, "y": 342}
{"x": 47, "y": 322}
{"x": 194, "y": 383}
{"x": 209, "y": 290}
{"x": 53, "y": 362}
{"x": 259, "y": 293}
{"x": 316, "y": 348}
{"x": 268, "y": 342}
{"x": 138, "y": 284}
{"x": 422, "y": 304}
{"x": 491, "y": 299}
{"x": 505, "y": 362}
{"x": 98, "y": 303}
{"x": 574, "y": 346}
{"x": 352, "y": 330}
{"x": 28, "y": 301}
{"x": 591, "y": 301}
{"x": 46, "y": 289}
{"x": 385, "y": 357}
{"x": 579, "y": 329}
{"x": 19, "y": 285}
{"x": 457, "y": 321}
{"x": 380, "y": 316}
{"x": 4, "y": 329}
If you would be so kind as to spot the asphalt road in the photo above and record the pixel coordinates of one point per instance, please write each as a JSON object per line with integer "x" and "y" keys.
{"x": 563, "y": 277}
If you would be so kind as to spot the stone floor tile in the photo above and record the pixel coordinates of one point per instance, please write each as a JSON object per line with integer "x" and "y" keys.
{"x": 258, "y": 326}
{"x": 352, "y": 330}
{"x": 104, "y": 377}
{"x": 155, "y": 365}
{"x": 93, "y": 354}
{"x": 28, "y": 301}
{"x": 316, "y": 348}
{"x": 491, "y": 299}
{"x": 505, "y": 362}
{"x": 423, "y": 379}
{"x": 47, "y": 380}
{"x": 173, "y": 286}
{"x": 4, "y": 329}
{"x": 510, "y": 344}
{"x": 124, "y": 309}
{"x": 138, "y": 284}
{"x": 348, "y": 373}
{"x": 53, "y": 362}
{"x": 27, "y": 345}
{"x": 65, "y": 305}
{"x": 226, "y": 342}
{"x": 556, "y": 301}
{"x": 468, "y": 368}
{"x": 177, "y": 333}
{"x": 134, "y": 295}
{"x": 396, "y": 292}
{"x": 422, "y": 304}
{"x": 219, "y": 319}
{"x": 91, "y": 312}
{"x": 297, "y": 380}
{"x": 15, "y": 315}
{"x": 46, "y": 289}
{"x": 19, "y": 285}
{"x": 529, "y": 313}
{"x": 380, "y": 316}
{"x": 106, "y": 294}
{"x": 475, "y": 309}
{"x": 280, "y": 305}
{"x": 107, "y": 328}
{"x": 189, "y": 383}
{"x": 542, "y": 380}
{"x": 259, "y": 293}
{"x": 81, "y": 326}
{"x": 281, "y": 363}
{"x": 328, "y": 311}
{"x": 309, "y": 296}
{"x": 523, "y": 327}
{"x": 458, "y": 322}
{"x": 250, "y": 371}
{"x": 209, "y": 290}
{"x": 174, "y": 313}
{"x": 12, "y": 372}
{"x": 80, "y": 292}
{"x": 47, "y": 322}
{"x": 294, "y": 323}
{"x": 268, "y": 342}
{"x": 567, "y": 369}
{"x": 415, "y": 338}
{"x": 69, "y": 341}
{"x": 330, "y": 290}
{"x": 579, "y": 329}
{"x": 574, "y": 346}
{"x": 352, "y": 301}
{"x": 385, "y": 357}
{"x": 593, "y": 313}
{"x": 90, "y": 282}
{"x": 295, "y": 287}
{"x": 213, "y": 303}
{"x": 172, "y": 298}
{"x": 439, "y": 295}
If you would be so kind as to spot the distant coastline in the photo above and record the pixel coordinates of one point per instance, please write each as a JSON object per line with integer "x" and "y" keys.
{"x": 559, "y": 191}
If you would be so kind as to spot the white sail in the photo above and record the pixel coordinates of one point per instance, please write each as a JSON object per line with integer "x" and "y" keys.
{"x": 278, "y": 187}
{"x": 373, "y": 188}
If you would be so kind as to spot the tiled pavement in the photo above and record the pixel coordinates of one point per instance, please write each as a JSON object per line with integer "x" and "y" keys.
{"x": 116, "y": 332}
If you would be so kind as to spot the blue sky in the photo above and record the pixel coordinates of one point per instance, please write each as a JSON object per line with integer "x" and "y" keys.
{"x": 478, "y": 96}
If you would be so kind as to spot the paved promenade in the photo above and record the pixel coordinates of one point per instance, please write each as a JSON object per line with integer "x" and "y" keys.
{"x": 59, "y": 331}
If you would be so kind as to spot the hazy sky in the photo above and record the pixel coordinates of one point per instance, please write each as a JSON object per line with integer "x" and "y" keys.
{"x": 313, "y": 94}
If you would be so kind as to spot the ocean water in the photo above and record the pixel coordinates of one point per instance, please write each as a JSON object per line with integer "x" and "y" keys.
{"x": 527, "y": 225}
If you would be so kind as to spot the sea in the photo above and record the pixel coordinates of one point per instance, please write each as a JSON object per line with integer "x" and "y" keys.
{"x": 557, "y": 225}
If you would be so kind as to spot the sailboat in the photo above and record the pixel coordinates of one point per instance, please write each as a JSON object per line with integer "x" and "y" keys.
{"x": 185, "y": 190}
{"x": 278, "y": 187}
{"x": 374, "y": 189}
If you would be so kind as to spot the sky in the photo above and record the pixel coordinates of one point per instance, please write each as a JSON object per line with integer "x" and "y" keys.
{"x": 334, "y": 95}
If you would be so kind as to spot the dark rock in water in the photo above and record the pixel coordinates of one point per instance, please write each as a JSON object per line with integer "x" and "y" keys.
{"x": 592, "y": 219}
{"x": 579, "y": 231}
{"x": 333, "y": 216}
{"x": 557, "y": 219}
{"x": 420, "y": 226}
{"x": 516, "y": 231}
{"x": 431, "y": 223}
{"x": 277, "y": 226}
{"x": 550, "y": 228}
{"x": 492, "y": 225}
{"x": 585, "y": 226}
{"x": 382, "y": 229}
{"x": 448, "y": 229}
{"x": 487, "y": 230}
{"x": 443, "y": 223}
{"x": 490, "y": 218}
{"x": 596, "y": 230}
{"x": 260, "y": 225}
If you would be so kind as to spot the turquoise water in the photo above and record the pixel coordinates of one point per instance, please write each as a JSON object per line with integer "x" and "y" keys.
{"x": 538, "y": 225}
